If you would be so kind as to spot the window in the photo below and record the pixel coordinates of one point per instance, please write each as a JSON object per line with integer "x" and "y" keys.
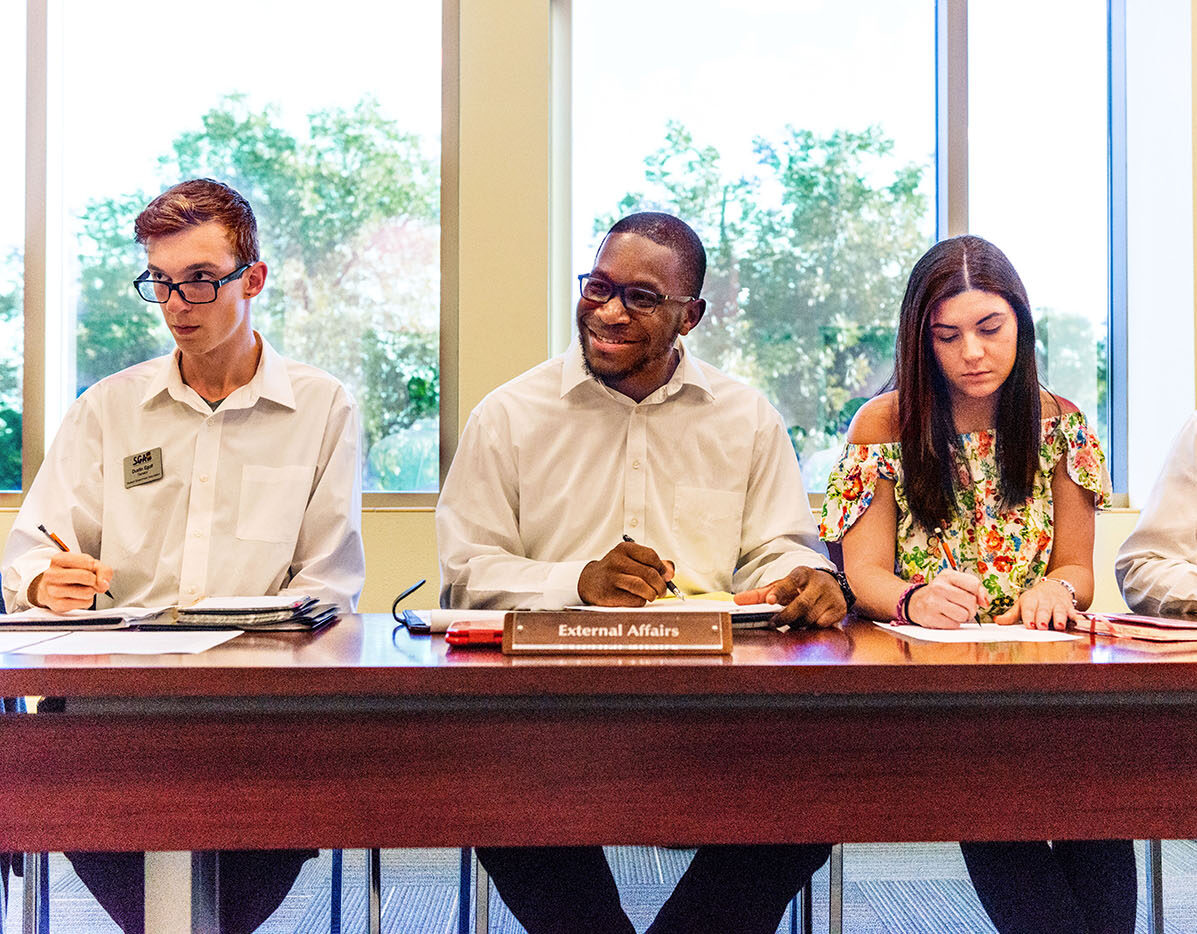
{"x": 12, "y": 238}
{"x": 801, "y": 142}
{"x": 1038, "y": 177}
{"x": 331, "y": 130}
{"x": 801, "y": 148}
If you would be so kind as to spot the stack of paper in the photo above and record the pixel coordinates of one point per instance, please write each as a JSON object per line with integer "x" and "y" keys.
{"x": 38, "y": 619}
{"x": 281, "y": 613}
{"x": 1130, "y": 626}
{"x": 743, "y": 615}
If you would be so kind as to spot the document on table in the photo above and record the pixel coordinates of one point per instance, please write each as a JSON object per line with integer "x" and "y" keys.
{"x": 11, "y": 641}
{"x": 127, "y": 642}
{"x": 689, "y": 605}
{"x": 978, "y": 632}
{"x": 439, "y": 620}
{"x": 743, "y": 615}
{"x": 39, "y": 618}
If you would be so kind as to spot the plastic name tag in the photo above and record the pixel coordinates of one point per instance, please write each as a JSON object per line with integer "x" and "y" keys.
{"x": 595, "y": 632}
{"x": 145, "y": 467}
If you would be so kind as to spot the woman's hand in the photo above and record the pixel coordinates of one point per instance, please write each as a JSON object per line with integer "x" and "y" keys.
{"x": 950, "y": 600}
{"x": 1047, "y": 605}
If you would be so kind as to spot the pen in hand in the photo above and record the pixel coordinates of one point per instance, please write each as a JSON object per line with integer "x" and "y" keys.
{"x": 947, "y": 553}
{"x": 669, "y": 585}
{"x": 62, "y": 546}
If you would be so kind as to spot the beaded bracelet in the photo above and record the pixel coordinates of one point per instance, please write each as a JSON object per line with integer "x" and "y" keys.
{"x": 902, "y": 610}
{"x": 1067, "y": 586}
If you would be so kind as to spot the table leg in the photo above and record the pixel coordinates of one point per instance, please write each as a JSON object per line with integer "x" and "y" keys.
{"x": 182, "y": 892}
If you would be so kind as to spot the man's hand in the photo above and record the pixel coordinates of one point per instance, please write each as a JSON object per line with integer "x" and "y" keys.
{"x": 627, "y": 575}
{"x": 950, "y": 600}
{"x": 71, "y": 582}
{"x": 808, "y": 597}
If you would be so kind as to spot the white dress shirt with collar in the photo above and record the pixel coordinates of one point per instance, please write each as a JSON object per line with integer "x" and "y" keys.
{"x": 553, "y": 467}
{"x": 261, "y": 496}
{"x": 1157, "y": 566}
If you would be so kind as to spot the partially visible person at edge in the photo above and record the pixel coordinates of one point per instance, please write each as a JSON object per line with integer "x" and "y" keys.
{"x": 628, "y": 433}
{"x": 253, "y": 487}
{"x": 966, "y": 453}
{"x": 1156, "y": 566}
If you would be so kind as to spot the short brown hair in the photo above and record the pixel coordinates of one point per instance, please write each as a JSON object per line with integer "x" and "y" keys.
{"x": 198, "y": 201}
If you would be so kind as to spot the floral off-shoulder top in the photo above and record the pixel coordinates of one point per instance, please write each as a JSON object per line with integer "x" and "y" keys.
{"x": 1007, "y": 549}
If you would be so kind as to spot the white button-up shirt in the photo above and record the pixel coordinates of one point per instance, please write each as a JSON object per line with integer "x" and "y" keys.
{"x": 554, "y": 466}
{"x": 1157, "y": 566}
{"x": 261, "y": 496}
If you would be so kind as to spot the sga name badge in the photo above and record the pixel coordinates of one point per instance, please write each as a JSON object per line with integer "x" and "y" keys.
{"x": 145, "y": 467}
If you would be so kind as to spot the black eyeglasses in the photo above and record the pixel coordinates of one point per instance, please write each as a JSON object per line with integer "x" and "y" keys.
{"x": 195, "y": 292}
{"x": 636, "y": 299}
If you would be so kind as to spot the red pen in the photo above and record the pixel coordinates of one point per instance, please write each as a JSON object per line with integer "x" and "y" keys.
{"x": 472, "y": 632}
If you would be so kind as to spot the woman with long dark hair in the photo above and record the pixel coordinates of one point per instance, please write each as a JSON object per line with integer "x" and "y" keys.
{"x": 966, "y": 493}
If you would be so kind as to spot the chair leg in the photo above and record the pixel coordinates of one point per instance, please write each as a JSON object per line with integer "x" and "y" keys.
{"x": 36, "y": 901}
{"x": 1153, "y": 864}
{"x": 374, "y": 891}
{"x": 801, "y": 911}
{"x": 463, "y": 891}
{"x": 835, "y": 908}
{"x": 334, "y": 898}
{"x": 481, "y": 899}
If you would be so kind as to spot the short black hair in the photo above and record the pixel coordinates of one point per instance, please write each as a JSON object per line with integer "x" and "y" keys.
{"x": 671, "y": 232}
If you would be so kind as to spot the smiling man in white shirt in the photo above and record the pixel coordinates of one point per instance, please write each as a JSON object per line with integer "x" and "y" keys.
{"x": 222, "y": 469}
{"x": 627, "y": 433}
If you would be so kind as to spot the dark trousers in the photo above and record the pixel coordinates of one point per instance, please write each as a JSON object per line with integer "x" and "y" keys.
{"x": 1065, "y": 887}
{"x": 566, "y": 890}
{"x": 252, "y": 884}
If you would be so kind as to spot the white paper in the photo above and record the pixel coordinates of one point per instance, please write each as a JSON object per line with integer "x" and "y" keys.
{"x": 277, "y": 602}
{"x": 11, "y": 641}
{"x": 62, "y": 621}
{"x": 689, "y": 605}
{"x": 977, "y": 632}
{"x": 439, "y": 620}
{"x": 123, "y": 642}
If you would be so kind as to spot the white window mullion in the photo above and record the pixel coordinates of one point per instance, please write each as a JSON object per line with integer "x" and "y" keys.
{"x": 951, "y": 117}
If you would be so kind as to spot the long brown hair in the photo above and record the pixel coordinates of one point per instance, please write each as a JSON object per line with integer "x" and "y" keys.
{"x": 926, "y": 427}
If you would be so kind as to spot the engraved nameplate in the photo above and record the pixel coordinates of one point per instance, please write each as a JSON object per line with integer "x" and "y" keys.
{"x": 583, "y": 632}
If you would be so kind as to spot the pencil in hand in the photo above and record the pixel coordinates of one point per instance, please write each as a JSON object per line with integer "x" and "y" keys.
{"x": 62, "y": 546}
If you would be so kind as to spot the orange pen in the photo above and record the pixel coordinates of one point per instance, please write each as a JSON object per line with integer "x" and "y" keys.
{"x": 63, "y": 547}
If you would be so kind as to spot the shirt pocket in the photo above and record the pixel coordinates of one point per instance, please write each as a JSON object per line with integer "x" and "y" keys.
{"x": 273, "y": 502}
{"x": 708, "y": 522}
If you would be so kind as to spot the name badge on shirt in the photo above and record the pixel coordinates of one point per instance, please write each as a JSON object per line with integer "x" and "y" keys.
{"x": 145, "y": 467}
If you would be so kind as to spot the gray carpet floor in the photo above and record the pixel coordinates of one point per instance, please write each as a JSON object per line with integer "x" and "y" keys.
{"x": 888, "y": 889}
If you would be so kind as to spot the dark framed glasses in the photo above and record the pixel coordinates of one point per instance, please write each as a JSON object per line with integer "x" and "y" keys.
{"x": 635, "y": 298}
{"x": 194, "y": 292}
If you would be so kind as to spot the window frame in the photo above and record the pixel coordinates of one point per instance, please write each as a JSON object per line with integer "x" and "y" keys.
{"x": 41, "y": 332}
{"x": 951, "y": 193}
{"x": 477, "y": 221}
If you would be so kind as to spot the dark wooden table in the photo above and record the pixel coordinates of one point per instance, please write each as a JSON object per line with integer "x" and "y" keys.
{"x": 349, "y": 738}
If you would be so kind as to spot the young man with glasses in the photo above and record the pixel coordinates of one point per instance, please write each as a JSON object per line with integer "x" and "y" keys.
{"x": 222, "y": 469}
{"x": 628, "y": 434}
